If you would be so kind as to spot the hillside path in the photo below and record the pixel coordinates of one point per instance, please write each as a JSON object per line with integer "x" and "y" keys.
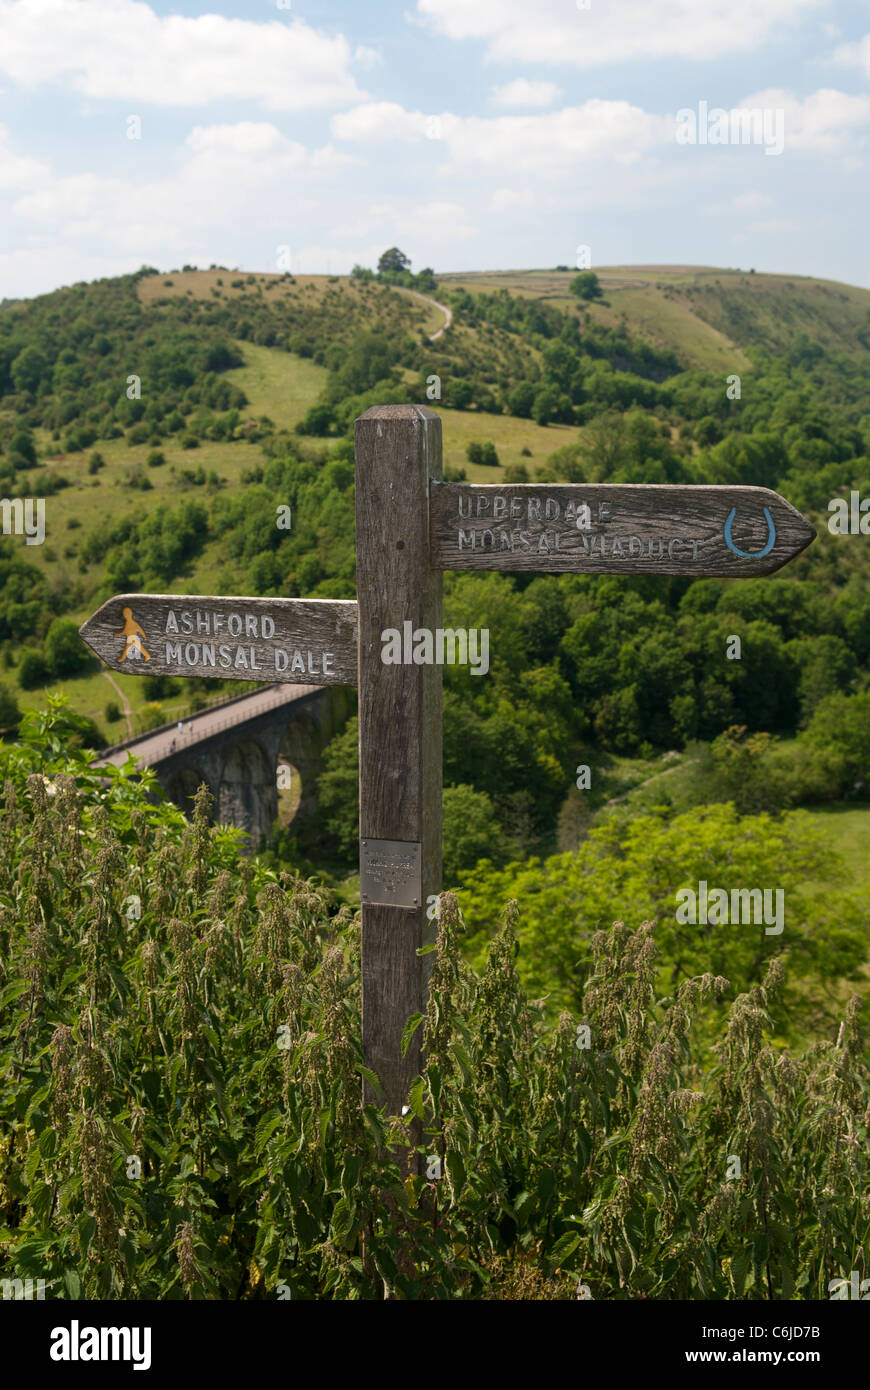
{"x": 665, "y": 772}
{"x": 125, "y": 703}
{"x": 448, "y": 313}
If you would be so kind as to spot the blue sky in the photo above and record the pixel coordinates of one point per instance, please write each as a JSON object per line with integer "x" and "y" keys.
{"x": 475, "y": 134}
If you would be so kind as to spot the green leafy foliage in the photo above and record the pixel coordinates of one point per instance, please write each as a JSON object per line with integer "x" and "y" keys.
{"x": 634, "y": 864}
{"x": 180, "y": 1091}
{"x": 586, "y": 285}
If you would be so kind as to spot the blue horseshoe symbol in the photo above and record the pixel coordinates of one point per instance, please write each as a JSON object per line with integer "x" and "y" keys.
{"x": 749, "y": 554}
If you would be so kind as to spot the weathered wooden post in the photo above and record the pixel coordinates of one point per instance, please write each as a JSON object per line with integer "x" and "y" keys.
{"x": 398, "y": 450}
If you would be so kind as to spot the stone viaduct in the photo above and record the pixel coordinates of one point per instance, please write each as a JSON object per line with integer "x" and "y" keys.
{"x": 235, "y": 747}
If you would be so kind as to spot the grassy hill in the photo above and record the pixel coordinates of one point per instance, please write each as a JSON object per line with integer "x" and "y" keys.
{"x": 706, "y": 315}
{"x": 244, "y": 358}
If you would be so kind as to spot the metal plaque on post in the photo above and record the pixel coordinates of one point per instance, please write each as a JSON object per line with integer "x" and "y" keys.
{"x": 390, "y": 872}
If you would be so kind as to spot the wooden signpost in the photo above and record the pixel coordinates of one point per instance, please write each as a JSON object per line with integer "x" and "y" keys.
{"x": 398, "y": 450}
{"x": 409, "y": 527}
{"x": 614, "y": 528}
{"x": 286, "y": 640}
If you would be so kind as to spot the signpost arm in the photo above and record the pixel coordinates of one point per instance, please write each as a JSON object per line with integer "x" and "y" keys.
{"x": 398, "y": 449}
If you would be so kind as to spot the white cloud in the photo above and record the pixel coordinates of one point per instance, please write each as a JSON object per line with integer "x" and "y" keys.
{"x": 123, "y": 50}
{"x": 556, "y": 32}
{"x": 18, "y": 171}
{"x": 314, "y": 259}
{"x": 855, "y": 54}
{"x": 773, "y": 226}
{"x": 559, "y": 144}
{"x": 749, "y": 202}
{"x": 827, "y": 120}
{"x": 440, "y": 222}
{"x": 379, "y": 120}
{"x": 544, "y": 145}
{"x": 435, "y": 222}
{"x": 522, "y": 92}
{"x": 224, "y": 172}
{"x": 37, "y": 268}
{"x": 367, "y": 57}
{"x": 508, "y": 199}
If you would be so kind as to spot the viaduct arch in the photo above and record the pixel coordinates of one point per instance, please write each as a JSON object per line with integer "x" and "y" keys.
{"x": 235, "y": 748}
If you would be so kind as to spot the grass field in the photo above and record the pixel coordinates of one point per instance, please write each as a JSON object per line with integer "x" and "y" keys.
{"x": 278, "y": 384}
{"x": 509, "y": 435}
{"x": 846, "y": 829}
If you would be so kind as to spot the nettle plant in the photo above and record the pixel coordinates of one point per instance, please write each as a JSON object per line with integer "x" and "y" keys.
{"x": 180, "y": 1083}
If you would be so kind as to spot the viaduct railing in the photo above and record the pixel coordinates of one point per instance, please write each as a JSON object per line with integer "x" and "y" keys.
{"x": 191, "y": 734}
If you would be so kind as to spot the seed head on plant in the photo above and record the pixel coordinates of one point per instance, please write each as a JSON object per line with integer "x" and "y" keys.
{"x": 184, "y": 1250}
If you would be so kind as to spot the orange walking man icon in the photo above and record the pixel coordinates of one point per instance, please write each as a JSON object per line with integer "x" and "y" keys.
{"x": 133, "y": 647}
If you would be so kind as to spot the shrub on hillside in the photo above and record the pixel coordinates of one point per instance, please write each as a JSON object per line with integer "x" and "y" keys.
{"x": 460, "y": 394}
{"x": 65, "y": 651}
{"x": 10, "y": 714}
{"x": 22, "y": 449}
{"x": 518, "y": 473}
{"x": 482, "y": 452}
{"x": 138, "y": 479}
{"x": 470, "y": 826}
{"x": 319, "y": 420}
{"x": 33, "y": 669}
{"x": 586, "y": 286}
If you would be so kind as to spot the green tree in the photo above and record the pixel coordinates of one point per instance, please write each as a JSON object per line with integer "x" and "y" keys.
{"x": 10, "y": 714}
{"x": 460, "y": 394}
{"x": 28, "y": 369}
{"x": 521, "y": 400}
{"x": 470, "y": 829}
{"x": 33, "y": 669}
{"x": 647, "y": 858}
{"x": 65, "y": 651}
{"x": 841, "y": 724}
{"x": 23, "y": 449}
{"x": 586, "y": 286}
{"x": 369, "y": 360}
{"x": 482, "y": 452}
{"x": 309, "y": 571}
{"x": 266, "y": 573}
{"x": 159, "y": 687}
{"x": 826, "y": 666}
{"x": 393, "y": 260}
{"x": 544, "y": 406}
{"x": 338, "y": 791}
{"x": 516, "y": 473}
{"x": 319, "y": 419}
